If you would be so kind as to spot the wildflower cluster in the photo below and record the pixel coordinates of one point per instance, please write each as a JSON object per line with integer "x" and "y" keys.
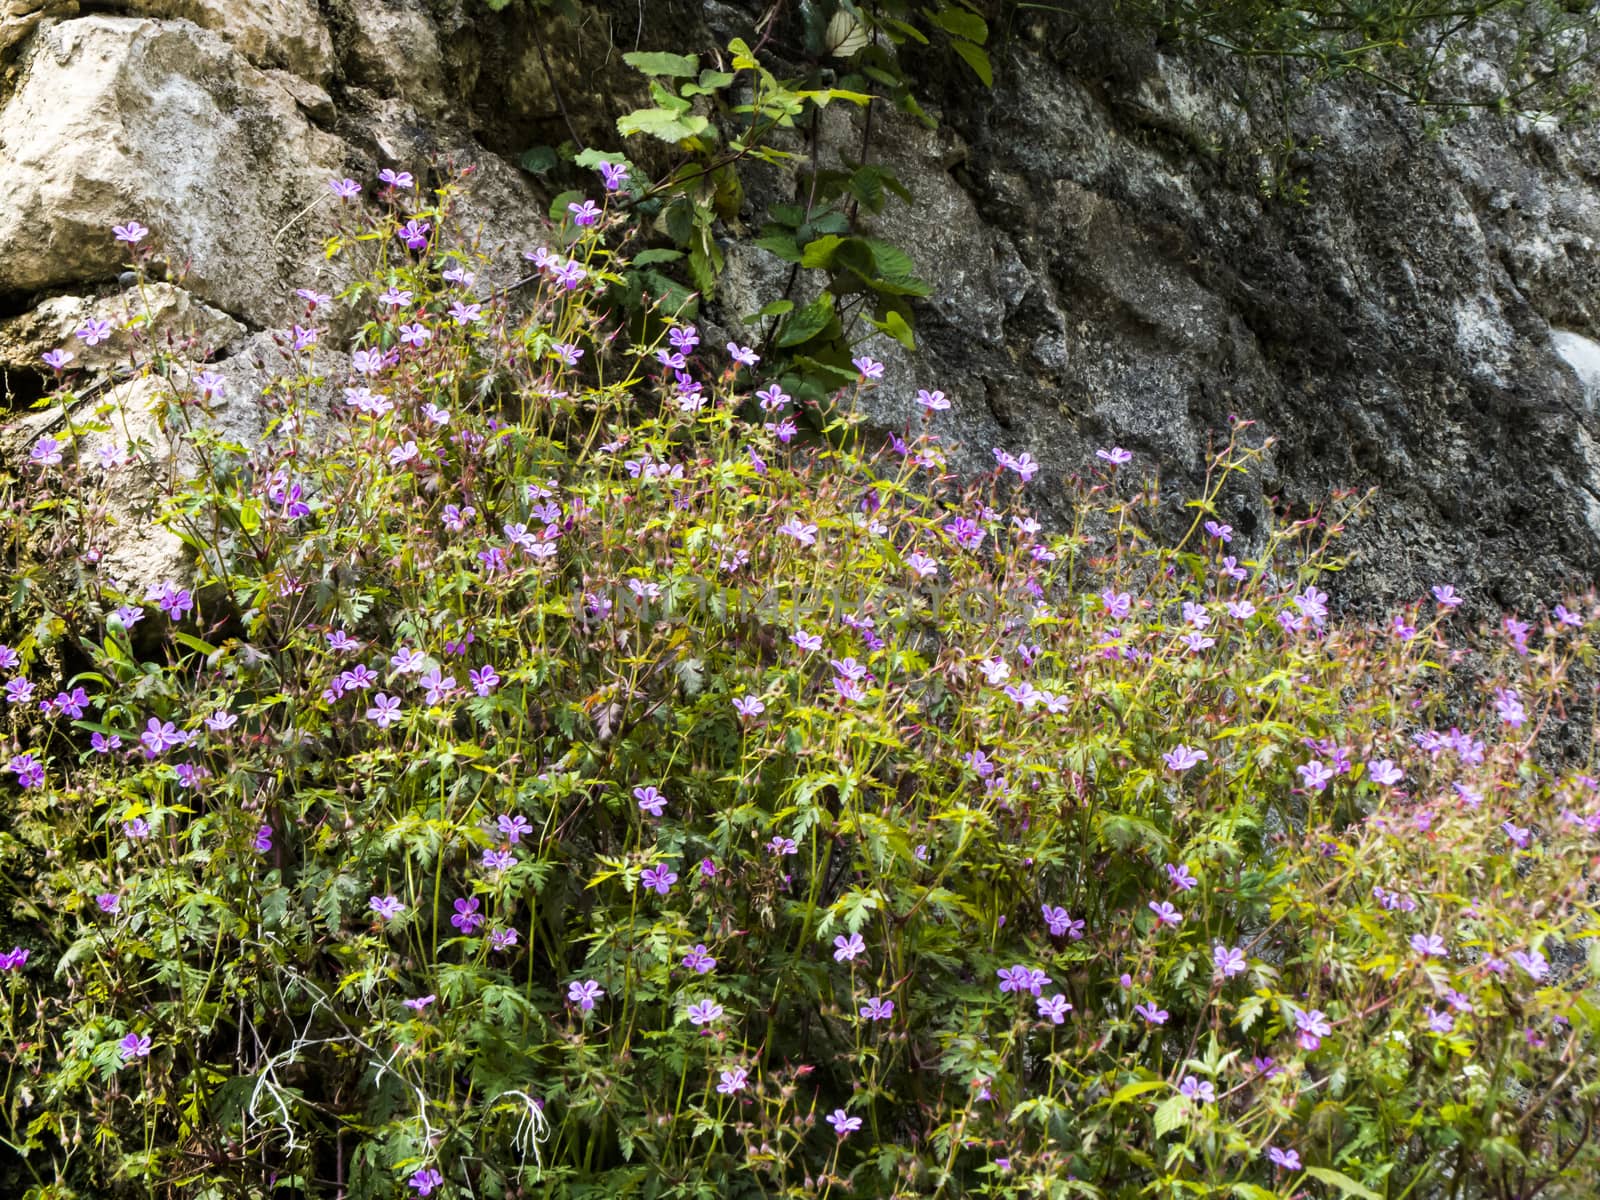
{"x": 565, "y": 773}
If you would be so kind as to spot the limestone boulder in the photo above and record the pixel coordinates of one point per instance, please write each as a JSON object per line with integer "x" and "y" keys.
{"x": 119, "y": 118}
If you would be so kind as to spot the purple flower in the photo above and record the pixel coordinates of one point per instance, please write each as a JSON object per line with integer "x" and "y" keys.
{"x": 876, "y": 1009}
{"x": 305, "y": 338}
{"x": 160, "y": 736}
{"x": 133, "y": 233}
{"x": 1165, "y": 913}
{"x": 584, "y": 214}
{"x": 498, "y": 860}
{"x": 932, "y": 401}
{"x": 345, "y": 189}
{"x": 1384, "y": 773}
{"x": 1201, "y": 1090}
{"x": 1440, "y": 1021}
{"x": 659, "y": 879}
{"x": 385, "y": 710}
{"x": 263, "y": 839}
{"x": 56, "y": 360}
{"x": 28, "y": 770}
{"x": 1062, "y": 923}
{"x": 19, "y": 690}
{"x": 484, "y": 680}
{"x": 1227, "y": 961}
{"x": 396, "y": 179}
{"x": 1313, "y": 604}
{"x": 1289, "y": 1160}
{"x": 800, "y": 531}
{"x": 743, "y": 355}
{"x": 780, "y": 845}
{"x": 733, "y": 1081}
{"x": 425, "y": 1181}
{"x": 1519, "y": 835}
{"x": 613, "y": 175}
{"x": 1019, "y": 978}
{"x": 135, "y": 1045}
{"x": 94, "y": 331}
{"x": 45, "y": 452}
{"x": 502, "y": 939}
{"x": 1182, "y": 757}
{"x": 869, "y": 367}
{"x": 1429, "y": 945}
{"x": 419, "y": 1003}
{"x": 699, "y": 960}
{"x": 704, "y": 1013}
{"x": 845, "y": 949}
{"x": 467, "y": 918}
{"x": 14, "y": 959}
{"x": 1178, "y": 873}
{"x": 312, "y": 297}
{"x": 843, "y": 1123}
{"x": 1313, "y": 1027}
{"x": 1316, "y": 774}
{"x": 439, "y": 685}
{"x": 749, "y": 706}
{"x": 1152, "y": 1014}
{"x": 512, "y": 826}
{"x": 465, "y": 314}
{"x": 1053, "y": 1008}
{"x": 1223, "y": 533}
{"x": 1509, "y": 705}
{"x": 584, "y": 994}
{"x": 1116, "y": 456}
{"x": 221, "y": 720}
{"x": 650, "y": 800}
{"x": 387, "y": 908}
{"x": 415, "y": 334}
{"x": 109, "y": 902}
{"x": 137, "y": 829}
{"x": 1532, "y": 962}
{"x": 414, "y": 233}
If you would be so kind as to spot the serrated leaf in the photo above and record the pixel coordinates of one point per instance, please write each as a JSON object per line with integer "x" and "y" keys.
{"x": 659, "y": 123}
{"x": 808, "y": 322}
{"x": 1171, "y": 1114}
{"x": 819, "y": 253}
{"x": 780, "y": 244}
{"x": 663, "y": 63}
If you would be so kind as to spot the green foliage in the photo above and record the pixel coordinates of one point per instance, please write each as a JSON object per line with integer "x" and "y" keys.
{"x": 1065, "y": 863}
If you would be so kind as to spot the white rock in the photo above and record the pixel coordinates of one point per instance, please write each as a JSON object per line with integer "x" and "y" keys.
{"x": 118, "y": 118}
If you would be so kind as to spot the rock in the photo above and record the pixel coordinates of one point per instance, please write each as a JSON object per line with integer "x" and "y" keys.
{"x": 287, "y": 34}
{"x": 394, "y": 50}
{"x": 158, "y": 313}
{"x": 121, "y": 117}
{"x": 19, "y": 18}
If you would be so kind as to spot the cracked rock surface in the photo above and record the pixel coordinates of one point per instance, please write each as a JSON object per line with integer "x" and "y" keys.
{"x": 1106, "y": 266}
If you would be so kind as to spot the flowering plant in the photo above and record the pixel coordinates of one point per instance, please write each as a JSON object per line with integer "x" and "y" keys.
{"x": 564, "y": 775}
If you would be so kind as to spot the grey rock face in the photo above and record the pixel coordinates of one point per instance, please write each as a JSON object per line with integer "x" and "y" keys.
{"x": 1106, "y": 268}
{"x": 1108, "y": 272}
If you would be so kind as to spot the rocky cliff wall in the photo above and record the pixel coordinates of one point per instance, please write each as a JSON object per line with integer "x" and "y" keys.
{"x": 1106, "y": 266}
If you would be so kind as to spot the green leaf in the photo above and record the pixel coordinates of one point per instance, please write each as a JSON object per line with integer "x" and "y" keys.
{"x": 1130, "y": 1091}
{"x": 646, "y": 257}
{"x": 1346, "y": 1185}
{"x": 893, "y": 263}
{"x": 539, "y": 159}
{"x": 1171, "y": 1114}
{"x": 659, "y": 123}
{"x": 959, "y": 21}
{"x": 808, "y": 322}
{"x": 777, "y": 308}
{"x": 978, "y": 59}
{"x": 895, "y": 326}
{"x": 660, "y": 62}
{"x": 775, "y": 241}
{"x": 819, "y": 254}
